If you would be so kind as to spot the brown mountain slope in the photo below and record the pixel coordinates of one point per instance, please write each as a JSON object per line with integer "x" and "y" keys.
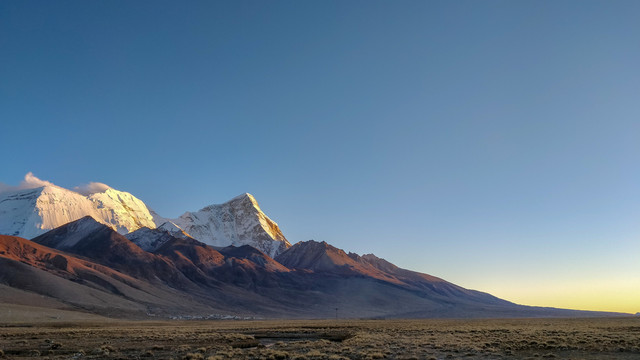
{"x": 324, "y": 258}
{"x": 89, "y": 239}
{"x": 186, "y": 277}
{"x": 81, "y": 284}
{"x": 423, "y": 282}
{"x": 243, "y": 266}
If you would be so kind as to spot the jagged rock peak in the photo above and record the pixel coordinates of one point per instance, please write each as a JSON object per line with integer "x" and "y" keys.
{"x": 316, "y": 256}
{"x": 239, "y": 221}
{"x": 173, "y": 229}
{"x": 245, "y": 197}
{"x": 314, "y": 244}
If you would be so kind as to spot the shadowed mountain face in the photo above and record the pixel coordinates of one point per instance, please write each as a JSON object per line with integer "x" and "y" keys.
{"x": 70, "y": 282}
{"x": 243, "y": 267}
{"x": 180, "y": 262}
{"x": 90, "y": 239}
{"x": 82, "y": 261}
{"x": 321, "y": 257}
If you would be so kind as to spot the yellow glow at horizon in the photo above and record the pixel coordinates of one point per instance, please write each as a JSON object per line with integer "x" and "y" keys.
{"x": 619, "y": 295}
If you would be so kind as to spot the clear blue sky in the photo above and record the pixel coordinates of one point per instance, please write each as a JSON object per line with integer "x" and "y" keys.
{"x": 495, "y": 144}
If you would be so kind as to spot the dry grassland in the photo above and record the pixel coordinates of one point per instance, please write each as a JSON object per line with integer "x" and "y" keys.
{"x": 617, "y": 338}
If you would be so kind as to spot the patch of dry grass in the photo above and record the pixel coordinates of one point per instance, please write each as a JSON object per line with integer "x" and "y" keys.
{"x": 617, "y": 338}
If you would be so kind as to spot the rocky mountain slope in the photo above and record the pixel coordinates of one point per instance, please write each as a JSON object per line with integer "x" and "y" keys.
{"x": 42, "y": 276}
{"x": 88, "y": 266}
{"x": 101, "y": 250}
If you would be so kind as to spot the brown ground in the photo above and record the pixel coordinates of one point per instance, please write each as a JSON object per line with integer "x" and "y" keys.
{"x": 93, "y": 338}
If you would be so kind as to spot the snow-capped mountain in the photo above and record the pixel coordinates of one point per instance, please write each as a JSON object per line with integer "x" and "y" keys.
{"x": 87, "y": 264}
{"x": 237, "y": 222}
{"x": 37, "y": 206}
{"x": 30, "y": 212}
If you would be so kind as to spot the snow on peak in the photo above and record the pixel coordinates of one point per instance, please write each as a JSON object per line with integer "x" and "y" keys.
{"x": 173, "y": 229}
{"x": 36, "y": 206}
{"x": 244, "y": 197}
{"x": 169, "y": 226}
{"x": 239, "y": 221}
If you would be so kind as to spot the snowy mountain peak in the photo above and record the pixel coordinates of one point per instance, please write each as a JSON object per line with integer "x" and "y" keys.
{"x": 49, "y": 189}
{"x": 169, "y": 227}
{"x": 244, "y": 197}
{"x": 239, "y": 221}
{"x": 36, "y": 206}
{"x": 128, "y": 212}
{"x": 173, "y": 229}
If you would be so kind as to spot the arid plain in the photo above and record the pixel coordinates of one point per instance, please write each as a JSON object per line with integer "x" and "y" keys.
{"x": 97, "y": 338}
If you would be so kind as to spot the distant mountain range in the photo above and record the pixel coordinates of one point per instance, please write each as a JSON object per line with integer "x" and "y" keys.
{"x": 106, "y": 253}
{"x": 31, "y": 212}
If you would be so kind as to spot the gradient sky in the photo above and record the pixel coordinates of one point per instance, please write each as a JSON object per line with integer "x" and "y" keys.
{"x": 495, "y": 144}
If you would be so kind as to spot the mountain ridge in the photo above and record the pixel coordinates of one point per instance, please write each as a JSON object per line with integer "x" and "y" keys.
{"x": 239, "y": 221}
{"x": 228, "y": 257}
{"x": 184, "y": 276}
{"x": 38, "y": 206}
